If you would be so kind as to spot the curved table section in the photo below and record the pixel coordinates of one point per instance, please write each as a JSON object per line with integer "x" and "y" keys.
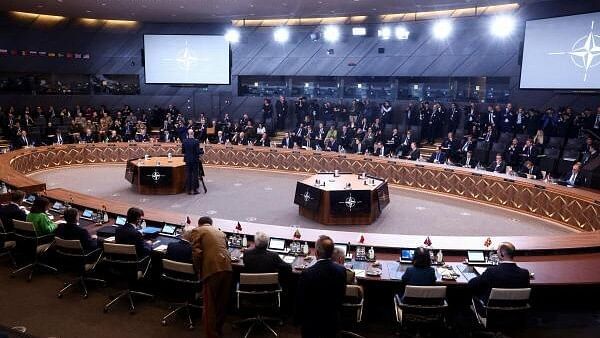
{"x": 578, "y": 209}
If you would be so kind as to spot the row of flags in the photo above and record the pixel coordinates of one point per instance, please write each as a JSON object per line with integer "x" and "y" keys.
{"x": 66, "y": 55}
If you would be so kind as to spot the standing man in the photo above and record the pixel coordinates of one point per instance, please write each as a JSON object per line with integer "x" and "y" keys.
{"x": 190, "y": 147}
{"x": 321, "y": 291}
{"x": 281, "y": 109}
{"x": 213, "y": 264}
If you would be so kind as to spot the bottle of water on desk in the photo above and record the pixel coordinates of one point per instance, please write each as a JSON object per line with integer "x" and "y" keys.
{"x": 371, "y": 254}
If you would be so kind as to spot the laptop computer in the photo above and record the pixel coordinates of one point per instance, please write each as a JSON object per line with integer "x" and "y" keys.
{"x": 120, "y": 220}
{"x": 169, "y": 230}
{"x": 58, "y": 207}
{"x": 87, "y": 214}
{"x": 29, "y": 199}
{"x": 345, "y": 248}
{"x": 277, "y": 245}
{"x": 477, "y": 258}
{"x": 406, "y": 256}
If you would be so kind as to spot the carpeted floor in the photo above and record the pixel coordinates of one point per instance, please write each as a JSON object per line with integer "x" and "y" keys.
{"x": 35, "y": 306}
{"x": 267, "y": 198}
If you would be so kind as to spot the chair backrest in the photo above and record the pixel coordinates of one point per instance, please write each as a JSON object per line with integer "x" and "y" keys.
{"x": 23, "y": 226}
{"x": 178, "y": 267}
{"x": 257, "y": 279}
{"x": 510, "y": 294}
{"x": 68, "y": 246}
{"x": 354, "y": 291}
{"x": 427, "y": 292}
{"x": 120, "y": 249}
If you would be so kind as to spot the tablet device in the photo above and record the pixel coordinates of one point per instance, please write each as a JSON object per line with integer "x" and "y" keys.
{"x": 277, "y": 244}
{"x": 168, "y": 229}
{"x": 87, "y": 213}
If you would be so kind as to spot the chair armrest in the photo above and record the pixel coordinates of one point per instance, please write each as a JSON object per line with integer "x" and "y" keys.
{"x": 93, "y": 252}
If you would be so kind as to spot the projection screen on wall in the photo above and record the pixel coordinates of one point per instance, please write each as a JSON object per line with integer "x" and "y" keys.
{"x": 186, "y": 59}
{"x": 562, "y": 53}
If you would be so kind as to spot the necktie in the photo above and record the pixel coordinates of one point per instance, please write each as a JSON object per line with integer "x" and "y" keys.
{"x": 59, "y": 139}
{"x": 597, "y": 124}
{"x": 572, "y": 179}
{"x": 531, "y": 171}
{"x": 468, "y": 161}
{"x": 437, "y": 157}
{"x": 466, "y": 146}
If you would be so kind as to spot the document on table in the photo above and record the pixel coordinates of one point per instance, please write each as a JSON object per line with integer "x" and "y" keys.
{"x": 359, "y": 272}
{"x": 161, "y": 248}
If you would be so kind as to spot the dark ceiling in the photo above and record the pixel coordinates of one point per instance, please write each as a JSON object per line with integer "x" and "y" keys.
{"x": 223, "y": 10}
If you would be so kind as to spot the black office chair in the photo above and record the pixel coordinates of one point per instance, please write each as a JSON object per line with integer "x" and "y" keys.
{"x": 421, "y": 305}
{"x": 32, "y": 246}
{"x": 122, "y": 261}
{"x": 72, "y": 258}
{"x": 262, "y": 292}
{"x": 505, "y": 308}
{"x": 353, "y": 304}
{"x": 182, "y": 278}
{"x": 7, "y": 244}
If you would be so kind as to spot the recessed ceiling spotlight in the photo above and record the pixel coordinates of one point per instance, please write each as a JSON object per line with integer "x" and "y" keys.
{"x": 401, "y": 33}
{"x": 359, "y": 31}
{"x": 281, "y": 34}
{"x": 442, "y": 29}
{"x": 232, "y": 35}
{"x": 384, "y": 33}
{"x": 331, "y": 33}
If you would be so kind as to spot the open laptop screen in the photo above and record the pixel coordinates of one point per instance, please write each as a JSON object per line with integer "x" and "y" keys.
{"x": 87, "y": 213}
{"x": 168, "y": 229}
{"x": 407, "y": 254}
{"x": 277, "y": 244}
{"x": 475, "y": 256}
{"x": 121, "y": 220}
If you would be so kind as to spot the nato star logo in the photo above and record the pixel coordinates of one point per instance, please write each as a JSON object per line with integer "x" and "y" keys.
{"x": 350, "y": 202}
{"x": 585, "y": 52}
{"x": 155, "y": 176}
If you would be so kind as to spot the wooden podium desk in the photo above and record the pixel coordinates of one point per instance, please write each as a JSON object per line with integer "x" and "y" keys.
{"x": 345, "y": 199}
{"x": 157, "y": 175}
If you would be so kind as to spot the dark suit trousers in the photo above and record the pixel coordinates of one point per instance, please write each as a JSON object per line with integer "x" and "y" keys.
{"x": 191, "y": 176}
{"x": 216, "y": 291}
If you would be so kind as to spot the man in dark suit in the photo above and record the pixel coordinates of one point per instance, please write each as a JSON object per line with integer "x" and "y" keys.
{"x": 190, "y": 147}
{"x": 438, "y": 156}
{"x": 287, "y": 141}
{"x": 414, "y": 153}
{"x": 24, "y": 140}
{"x": 498, "y": 166}
{"x": 181, "y": 250}
{"x": 504, "y": 275}
{"x": 469, "y": 161}
{"x": 259, "y": 260}
{"x": 12, "y": 210}
{"x": 573, "y": 178}
{"x": 281, "y": 109}
{"x": 321, "y": 291}
{"x": 72, "y": 231}
{"x": 530, "y": 170}
{"x": 88, "y": 137}
{"x": 129, "y": 234}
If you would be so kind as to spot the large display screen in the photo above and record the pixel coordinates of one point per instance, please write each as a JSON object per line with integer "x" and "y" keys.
{"x": 562, "y": 53}
{"x": 186, "y": 59}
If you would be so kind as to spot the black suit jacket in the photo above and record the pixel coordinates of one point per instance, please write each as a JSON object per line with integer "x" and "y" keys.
{"x": 127, "y": 234}
{"x": 321, "y": 291}
{"x": 75, "y": 232}
{"x": 499, "y": 169}
{"x": 8, "y": 212}
{"x": 419, "y": 276}
{"x": 190, "y": 147}
{"x": 179, "y": 251}
{"x": 414, "y": 155}
{"x": 578, "y": 179}
{"x": 535, "y": 171}
{"x": 263, "y": 261}
{"x": 503, "y": 275}
{"x": 287, "y": 143}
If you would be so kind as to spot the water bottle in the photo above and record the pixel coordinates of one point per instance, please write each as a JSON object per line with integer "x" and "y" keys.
{"x": 371, "y": 253}
{"x": 440, "y": 257}
{"x": 305, "y": 248}
{"x": 244, "y": 241}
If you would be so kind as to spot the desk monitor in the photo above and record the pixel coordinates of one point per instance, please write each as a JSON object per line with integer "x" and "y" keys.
{"x": 29, "y": 199}
{"x": 475, "y": 256}
{"x": 406, "y": 255}
{"x": 87, "y": 213}
{"x": 343, "y": 247}
{"x": 169, "y": 229}
{"x": 120, "y": 220}
{"x": 277, "y": 244}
